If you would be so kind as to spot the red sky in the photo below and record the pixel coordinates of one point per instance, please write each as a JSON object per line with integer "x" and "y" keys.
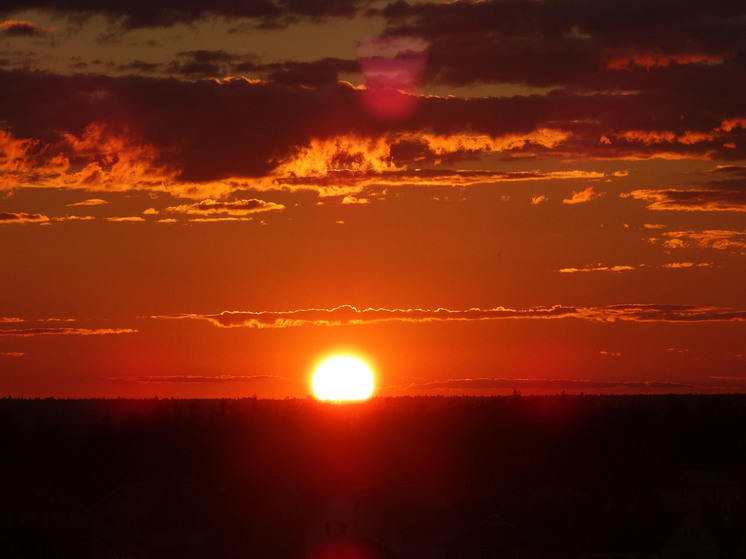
{"x": 205, "y": 199}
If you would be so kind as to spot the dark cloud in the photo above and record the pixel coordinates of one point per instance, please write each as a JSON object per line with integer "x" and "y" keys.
{"x": 16, "y": 28}
{"x": 146, "y": 13}
{"x": 571, "y": 42}
{"x": 203, "y": 63}
{"x": 693, "y": 199}
{"x": 314, "y": 74}
{"x": 212, "y": 130}
{"x": 11, "y": 217}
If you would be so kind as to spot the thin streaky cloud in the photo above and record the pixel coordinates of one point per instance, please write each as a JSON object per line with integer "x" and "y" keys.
{"x": 200, "y": 379}
{"x": 349, "y": 315}
{"x": 28, "y": 332}
{"x": 709, "y": 200}
{"x": 502, "y": 383}
{"x": 89, "y": 202}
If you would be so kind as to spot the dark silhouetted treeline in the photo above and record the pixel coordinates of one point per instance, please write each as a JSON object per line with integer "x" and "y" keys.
{"x": 550, "y": 476}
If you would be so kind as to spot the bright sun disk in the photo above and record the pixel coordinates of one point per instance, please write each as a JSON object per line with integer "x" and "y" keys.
{"x": 343, "y": 378}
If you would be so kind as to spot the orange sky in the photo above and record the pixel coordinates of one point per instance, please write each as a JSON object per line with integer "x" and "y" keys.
{"x": 206, "y": 200}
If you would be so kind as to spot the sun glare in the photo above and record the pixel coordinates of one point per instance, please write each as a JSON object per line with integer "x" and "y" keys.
{"x": 343, "y": 378}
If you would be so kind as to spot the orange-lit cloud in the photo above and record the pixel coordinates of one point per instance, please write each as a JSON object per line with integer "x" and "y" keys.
{"x": 74, "y": 218}
{"x": 627, "y": 268}
{"x": 237, "y": 208}
{"x": 346, "y": 314}
{"x": 710, "y": 200}
{"x": 710, "y": 239}
{"x": 20, "y": 28}
{"x": 12, "y": 354}
{"x": 27, "y": 332}
{"x": 656, "y": 58}
{"x": 597, "y": 268}
{"x": 89, "y": 202}
{"x": 579, "y": 197}
{"x": 126, "y": 219}
{"x": 677, "y": 265}
{"x": 538, "y": 199}
{"x": 13, "y": 217}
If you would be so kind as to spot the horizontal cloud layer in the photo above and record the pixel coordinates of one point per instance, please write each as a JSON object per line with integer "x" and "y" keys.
{"x": 346, "y": 314}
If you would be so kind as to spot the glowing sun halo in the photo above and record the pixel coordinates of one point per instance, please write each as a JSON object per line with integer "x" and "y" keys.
{"x": 343, "y": 378}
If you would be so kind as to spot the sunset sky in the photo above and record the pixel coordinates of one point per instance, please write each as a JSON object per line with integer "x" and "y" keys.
{"x": 206, "y": 198}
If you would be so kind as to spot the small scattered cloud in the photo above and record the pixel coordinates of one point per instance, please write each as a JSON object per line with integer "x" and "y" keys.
{"x": 89, "y": 202}
{"x": 350, "y": 199}
{"x": 126, "y": 219}
{"x": 74, "y": 218}
{"x": 12, "y": 354}
{"x": 582, "y": 196}
{"x": 539, "y": 199}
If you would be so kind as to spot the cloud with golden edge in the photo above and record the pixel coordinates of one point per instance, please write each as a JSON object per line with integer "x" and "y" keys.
{"x": 12, "y": 217}
{"x": 540, "y": 199}
{"x": 349, "y": 315}
{"x": 718, "y": 239}
{"x": 22, "y": 28}
{"x": 705, "y": 200}
{"x": 598, "y": 268}
{"x": 211, "y": 207}
{"x": 28, "y": 332}
{"x": 582, "y": 196}
{"x": 89, "y": 202}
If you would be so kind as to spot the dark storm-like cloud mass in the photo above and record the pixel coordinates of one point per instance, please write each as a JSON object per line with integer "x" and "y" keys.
{"x": 570, "y": 42}
{"x": 145, "y": 13}
{"x": 211, "y": 130}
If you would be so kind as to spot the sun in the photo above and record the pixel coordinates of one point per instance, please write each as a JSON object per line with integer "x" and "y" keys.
{"x": 343, "y": 378}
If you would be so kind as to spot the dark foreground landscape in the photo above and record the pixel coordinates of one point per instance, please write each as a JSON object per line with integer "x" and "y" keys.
{"x": 561, "y": 476}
